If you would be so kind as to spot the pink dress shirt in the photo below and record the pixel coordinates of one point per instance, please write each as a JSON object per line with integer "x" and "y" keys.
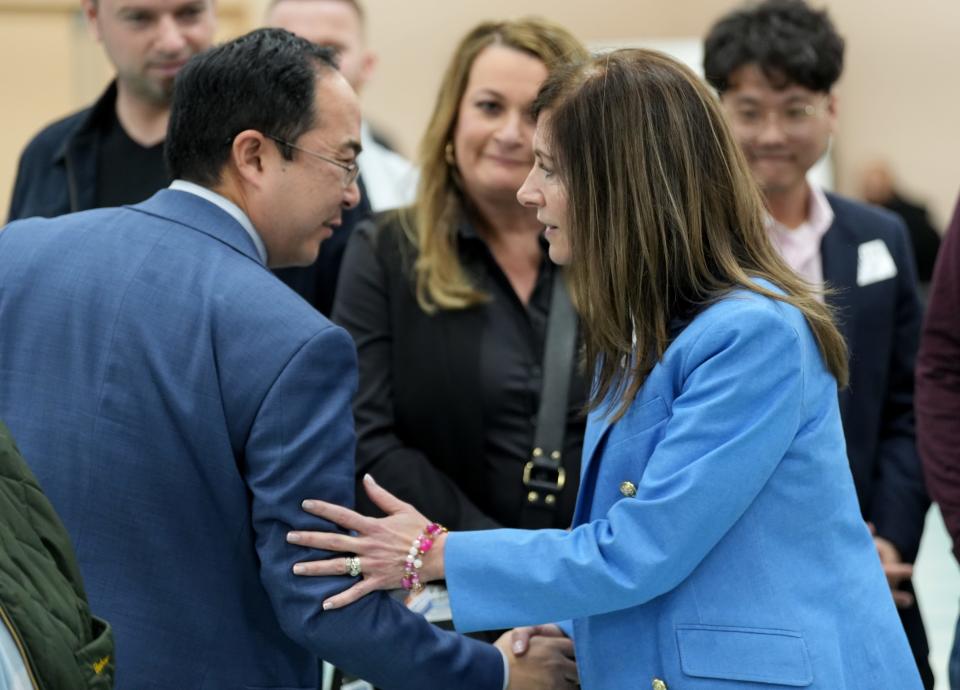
{"x": 800, "y": 246}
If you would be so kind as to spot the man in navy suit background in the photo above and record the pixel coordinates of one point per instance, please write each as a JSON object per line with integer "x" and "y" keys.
{"x": 177, "y": 402}
{"x": 775, "y": 65}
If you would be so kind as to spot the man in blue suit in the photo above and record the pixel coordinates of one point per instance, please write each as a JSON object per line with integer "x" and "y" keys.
{"x": 177, "y": 401}
{"x": 775, "y": 65}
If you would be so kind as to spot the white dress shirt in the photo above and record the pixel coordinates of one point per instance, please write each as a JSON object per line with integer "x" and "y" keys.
{"x": 390, "y": 179}
{"x": 228, "y": 206}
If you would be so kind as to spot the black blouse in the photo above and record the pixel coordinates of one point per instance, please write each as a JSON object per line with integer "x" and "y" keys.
{"x": 447, "y": 403}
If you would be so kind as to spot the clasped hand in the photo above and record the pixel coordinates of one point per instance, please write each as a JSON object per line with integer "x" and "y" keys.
{"x": 540, "y": 657}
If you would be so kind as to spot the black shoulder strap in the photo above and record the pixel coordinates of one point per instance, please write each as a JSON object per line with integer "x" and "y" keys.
{"x": 544, "y": 476}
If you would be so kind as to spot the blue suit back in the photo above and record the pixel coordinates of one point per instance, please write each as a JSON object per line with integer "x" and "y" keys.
{"x": 177, "y": 402}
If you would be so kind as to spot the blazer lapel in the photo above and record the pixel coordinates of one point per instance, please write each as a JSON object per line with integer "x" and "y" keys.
{"x": 838, "y": 251}
{"x": 199, "y": 214}
{"x": 598, "y": 425}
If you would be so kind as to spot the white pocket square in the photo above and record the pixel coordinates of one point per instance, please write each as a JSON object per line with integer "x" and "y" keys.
{"x": 874, "y": 263}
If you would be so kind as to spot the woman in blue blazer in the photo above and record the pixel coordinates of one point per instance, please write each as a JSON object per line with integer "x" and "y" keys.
{"x": 717, "y": 541}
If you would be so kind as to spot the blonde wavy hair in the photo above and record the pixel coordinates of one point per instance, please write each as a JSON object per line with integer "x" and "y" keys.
{"x": 431, "y": 223}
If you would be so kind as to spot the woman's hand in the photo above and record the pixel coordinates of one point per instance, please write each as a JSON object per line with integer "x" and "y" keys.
{"x": 380, "y": 544}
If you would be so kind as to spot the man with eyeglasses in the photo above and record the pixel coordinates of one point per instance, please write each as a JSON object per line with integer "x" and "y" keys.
{"x": 387, "y": 180}
{"x": 112, "y": 152}
{"x": 774, "y": 65}
{"x": 177, "y": 402}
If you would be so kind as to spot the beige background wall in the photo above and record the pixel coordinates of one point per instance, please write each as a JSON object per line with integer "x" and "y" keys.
{"x": 899, "y": 98}
{"x": 899, "y": 94}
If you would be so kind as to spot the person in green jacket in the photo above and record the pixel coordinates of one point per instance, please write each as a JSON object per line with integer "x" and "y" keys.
{"x": 49, "y": 640}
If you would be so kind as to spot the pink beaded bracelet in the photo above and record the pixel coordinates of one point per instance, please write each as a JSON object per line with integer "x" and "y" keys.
{"x": 421, "y": 545}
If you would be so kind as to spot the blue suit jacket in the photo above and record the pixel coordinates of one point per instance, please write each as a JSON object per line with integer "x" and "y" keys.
{"x": 881, "y": 323}
{"x": 177, "y": 402}
{"x": 740, "y": 562}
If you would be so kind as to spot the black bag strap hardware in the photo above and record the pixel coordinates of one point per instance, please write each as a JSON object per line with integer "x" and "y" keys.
{"x": 544, "y": 476}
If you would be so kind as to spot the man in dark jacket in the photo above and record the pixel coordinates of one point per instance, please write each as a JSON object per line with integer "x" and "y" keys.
{"x": 112, "y": 153}
{"x": 48, "y": 638}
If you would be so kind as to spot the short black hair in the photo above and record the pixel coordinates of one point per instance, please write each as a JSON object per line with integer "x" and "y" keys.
{"x": 264, "y": 80}
{"x": 787, "y": 39}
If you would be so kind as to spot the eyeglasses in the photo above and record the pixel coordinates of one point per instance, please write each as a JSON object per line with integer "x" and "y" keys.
{"x": 794, "y": 119}
{"x": 351, "y": 170}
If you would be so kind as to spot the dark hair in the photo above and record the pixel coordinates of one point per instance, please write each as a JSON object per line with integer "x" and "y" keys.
{"x": 264, "y": 80}
{"x": 787, "y": 39}
{"x": 663, "y": 215}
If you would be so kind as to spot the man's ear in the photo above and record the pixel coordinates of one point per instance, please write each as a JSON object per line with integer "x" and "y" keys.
{"x": 368, "y": 66}
{"x": 216, "y": 17}
{"x": 90, "y": 13}
{"x": 249, "y": 156}
{"x": 833, "y": 110}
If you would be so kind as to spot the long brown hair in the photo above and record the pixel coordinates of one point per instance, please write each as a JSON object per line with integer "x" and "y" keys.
{"x": 431, "y": 223}
{"x": 664, "y": 216}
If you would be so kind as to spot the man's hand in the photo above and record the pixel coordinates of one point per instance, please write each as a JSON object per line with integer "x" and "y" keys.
{"x": 520, "y": 637}
{"x": 894, "y": 568}
{"x": 548, "y": 664}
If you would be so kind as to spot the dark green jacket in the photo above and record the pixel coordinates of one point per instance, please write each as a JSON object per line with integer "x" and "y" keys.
{"x": 42, "y": 601}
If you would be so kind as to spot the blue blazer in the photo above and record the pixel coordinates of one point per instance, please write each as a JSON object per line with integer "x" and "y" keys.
{"x": 717, "y": 541}
{"x": 177, "y": 402}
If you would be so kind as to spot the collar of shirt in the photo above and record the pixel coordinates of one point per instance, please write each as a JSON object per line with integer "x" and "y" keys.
{"x": 389, "y": 179}
{"x": 466, "y": 230}
{"x": 224, "y": 203}
{"x": 800, "y": 246}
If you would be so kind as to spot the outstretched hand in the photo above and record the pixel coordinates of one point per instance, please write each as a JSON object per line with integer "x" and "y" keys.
{"x": 380, "y": 544}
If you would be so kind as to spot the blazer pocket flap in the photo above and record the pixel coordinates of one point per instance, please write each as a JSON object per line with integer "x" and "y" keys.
{"x": 756, "y": 655}
{"x": 645, "y": 415}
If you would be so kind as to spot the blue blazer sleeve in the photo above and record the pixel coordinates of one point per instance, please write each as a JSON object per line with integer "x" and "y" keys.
{"x": 736, "y": 414}
{"x": 302, "y": 445}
